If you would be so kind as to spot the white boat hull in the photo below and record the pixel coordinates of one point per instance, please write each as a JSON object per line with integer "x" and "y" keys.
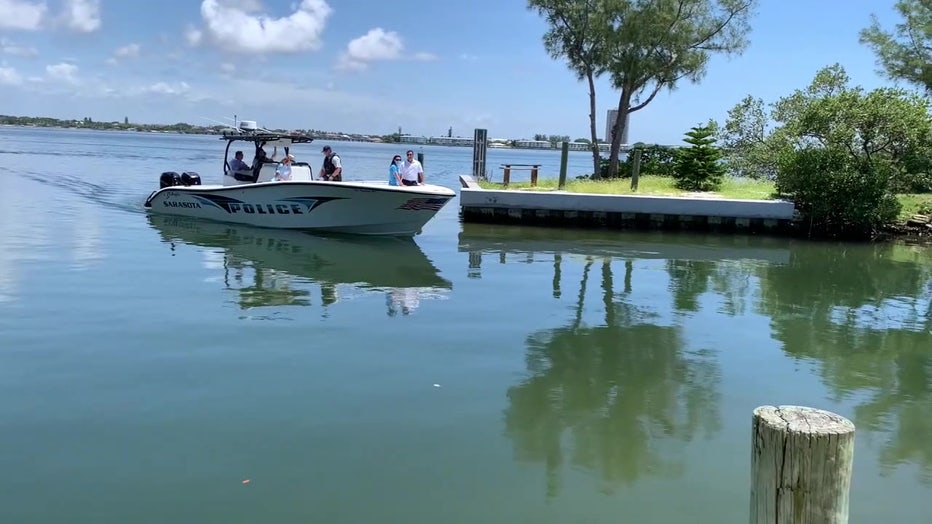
{"x": 368, "y": 208}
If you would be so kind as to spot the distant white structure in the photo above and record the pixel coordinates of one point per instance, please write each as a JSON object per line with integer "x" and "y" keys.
{"x": 451, "y": 141}
{"x": 409, "y": 139}
{"x": 610, "y": 123}
{"x": 533, "y": 144}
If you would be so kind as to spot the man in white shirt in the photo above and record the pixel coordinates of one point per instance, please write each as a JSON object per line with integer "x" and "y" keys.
{"x": 412, "y": 174}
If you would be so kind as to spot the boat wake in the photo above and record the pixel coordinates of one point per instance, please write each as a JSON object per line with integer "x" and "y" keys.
{"x": 108, "y": 195}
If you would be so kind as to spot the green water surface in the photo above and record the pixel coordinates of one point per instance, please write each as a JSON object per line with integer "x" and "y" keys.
{"x": 150, "y": 365}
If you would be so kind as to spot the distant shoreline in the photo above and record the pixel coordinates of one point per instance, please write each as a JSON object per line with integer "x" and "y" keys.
{"x": 190, "y": 129}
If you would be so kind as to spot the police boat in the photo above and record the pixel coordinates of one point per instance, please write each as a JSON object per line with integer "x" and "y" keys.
{"x": 253, "y": 196}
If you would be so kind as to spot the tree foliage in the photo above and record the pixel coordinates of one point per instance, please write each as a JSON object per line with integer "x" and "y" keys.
{"x": 746, "y": 140}
{"x": 839, "y": 193}
{"x": 644, "y": 45}
{"x": 656, "y": 160}
{"x": 840, "y": 152}
{"x": 698, "y": 167}
{"x": 906, "y": 52}
{"x": 653, "y": 44}
{"x": 576, "y": 34}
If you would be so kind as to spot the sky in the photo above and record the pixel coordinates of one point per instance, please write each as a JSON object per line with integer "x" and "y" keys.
{"x": 365, "y": 66}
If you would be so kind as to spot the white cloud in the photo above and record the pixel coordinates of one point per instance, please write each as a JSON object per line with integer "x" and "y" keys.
{"x": 378, "y": 44}
{"x": 162, "y": 88}
{"x": 193, "y": 36}
{"x": 21, "y": 14}
{"x": 9, "y": 76}
{"x": 63, "y": 71}
{"x": 231, "y": 25}
{"x": 10, "y": 48}
{"x": 227, "y": 67}
{"x": 82, "y": 15}
{"x": 127, "y": 51}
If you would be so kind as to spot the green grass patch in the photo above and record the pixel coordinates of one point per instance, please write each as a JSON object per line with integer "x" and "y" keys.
{"x": 647, "y": 185}
{"x": 914, "y": 204}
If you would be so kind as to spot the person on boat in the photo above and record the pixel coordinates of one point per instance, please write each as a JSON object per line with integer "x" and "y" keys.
{"x": 412, "y": 174}
{"x": 237, "y": 163}
{"x": 262, "y": 156}
{"x": 332, "y": 169}
{"x": 283, "y": 172}
{"x": 394, "y": 171}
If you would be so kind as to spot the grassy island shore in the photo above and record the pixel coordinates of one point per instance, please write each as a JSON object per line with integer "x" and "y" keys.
{"x": 912, "y": 204}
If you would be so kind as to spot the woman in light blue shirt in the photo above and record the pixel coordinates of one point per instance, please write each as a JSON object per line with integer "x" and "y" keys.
{"x": 394, "y": 171}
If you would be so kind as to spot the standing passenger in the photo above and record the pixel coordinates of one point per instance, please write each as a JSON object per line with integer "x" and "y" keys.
{"x": 332, "y": 169}
{"x": 394, "y": 171}
{"x": 412, "y": 174}
{"x": 283, "y": 172}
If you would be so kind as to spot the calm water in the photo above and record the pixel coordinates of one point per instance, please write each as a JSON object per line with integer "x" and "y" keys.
{"x": 148, "y": 366}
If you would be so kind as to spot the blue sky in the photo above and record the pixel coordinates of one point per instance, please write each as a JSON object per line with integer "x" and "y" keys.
{"x": 372, "y": 66}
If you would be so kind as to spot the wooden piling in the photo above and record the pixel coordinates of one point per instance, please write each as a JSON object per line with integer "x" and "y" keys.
{"x": 534, "y": 176}
{"x": 564, "y": 157}
{"x": 635, "y": 169}
{"x": 801, "y": 465}
{"x": 506, "y": 176}
{"x": 420, "y": 158}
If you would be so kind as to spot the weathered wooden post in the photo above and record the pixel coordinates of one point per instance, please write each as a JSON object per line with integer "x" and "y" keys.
{"x": 564, "y": 156}
{"x": 420, "y": 158}
{"x": 506, "y": 177}
{"x": 801, "y": 463}
{"x": 635, "y": 169}
{"x": 534, "y": 175}
{"x": 479, "y": 147}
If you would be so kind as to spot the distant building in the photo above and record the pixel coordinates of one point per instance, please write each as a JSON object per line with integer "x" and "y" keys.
{"x": 610, "y": 123}
{"x": 409, "y": 139}
{"x": 533, "y": 144}
{"x": 450, "y": 141}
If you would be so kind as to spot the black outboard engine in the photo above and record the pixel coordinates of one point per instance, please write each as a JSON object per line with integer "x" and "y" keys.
{"x": 190, "y": 178}
{"x": 169, "y": 178}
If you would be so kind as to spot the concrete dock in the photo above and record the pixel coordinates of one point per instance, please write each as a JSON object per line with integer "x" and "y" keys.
{"x": 561, "y": 208}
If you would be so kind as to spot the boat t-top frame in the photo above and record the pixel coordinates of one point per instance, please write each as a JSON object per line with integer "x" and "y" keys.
{"x": 260, "y": 140}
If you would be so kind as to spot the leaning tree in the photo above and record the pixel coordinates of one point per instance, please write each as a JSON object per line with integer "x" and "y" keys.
{"x": 575, "y": 34}
{"x": 650, "y": 45}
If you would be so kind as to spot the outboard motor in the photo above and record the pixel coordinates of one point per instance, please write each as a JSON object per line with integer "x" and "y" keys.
{"x": 190, "y": 178}
{"x": 169, "y": 178}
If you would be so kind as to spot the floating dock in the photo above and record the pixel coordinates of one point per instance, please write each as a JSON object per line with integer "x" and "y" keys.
{"x": 564, "y": 209}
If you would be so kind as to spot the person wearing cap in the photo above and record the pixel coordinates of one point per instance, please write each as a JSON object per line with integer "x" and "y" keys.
{"x": 283, "y": 172}
{"x": 332, "y": 170}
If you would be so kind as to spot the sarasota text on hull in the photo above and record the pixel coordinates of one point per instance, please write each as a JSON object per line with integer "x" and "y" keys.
{"x": 253, "y": 196}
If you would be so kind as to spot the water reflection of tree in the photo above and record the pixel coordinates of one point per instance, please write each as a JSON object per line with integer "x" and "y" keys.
{"x": 610, "y": 393}
{"x": 729, "y": 279}
{"x": 865, "y": 315}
